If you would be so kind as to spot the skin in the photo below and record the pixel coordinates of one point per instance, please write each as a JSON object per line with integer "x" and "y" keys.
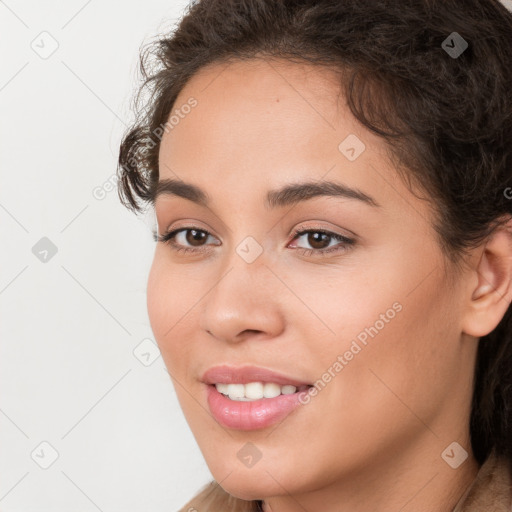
{"x": 372, "y": 439}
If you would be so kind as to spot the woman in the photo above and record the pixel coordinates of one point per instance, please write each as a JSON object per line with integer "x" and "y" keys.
{"x": 331, "y": 286}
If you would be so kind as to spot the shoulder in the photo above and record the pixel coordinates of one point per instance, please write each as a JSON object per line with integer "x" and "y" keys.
{"x": 491, "y": 491}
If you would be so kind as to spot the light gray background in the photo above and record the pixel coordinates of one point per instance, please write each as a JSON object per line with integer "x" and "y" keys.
{"x": 71, "y": 327}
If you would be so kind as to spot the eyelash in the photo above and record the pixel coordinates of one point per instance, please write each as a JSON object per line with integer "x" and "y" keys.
{"x": 168, "y": 238}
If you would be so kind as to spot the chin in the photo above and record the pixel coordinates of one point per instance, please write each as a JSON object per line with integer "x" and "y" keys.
{"x": 251, "y": 487}
{"x": 256, "y": 483}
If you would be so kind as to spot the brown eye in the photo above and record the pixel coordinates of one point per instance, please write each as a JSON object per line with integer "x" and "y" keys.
{"x": 185, "y": 239}
{"x": 317, "y": 239}
{"x": 196, "y": 236}
{"x": 320, "y": 239}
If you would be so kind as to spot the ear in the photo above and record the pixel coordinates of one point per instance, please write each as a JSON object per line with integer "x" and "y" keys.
{"x": 490, "y": 298}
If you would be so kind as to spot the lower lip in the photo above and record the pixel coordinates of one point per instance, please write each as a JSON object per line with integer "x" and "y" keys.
{"x": 258, "y": 414}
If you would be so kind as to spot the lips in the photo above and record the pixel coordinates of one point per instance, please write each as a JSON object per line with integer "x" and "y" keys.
{"x": 254, "y": 414}
{"x": 243, "y": 375}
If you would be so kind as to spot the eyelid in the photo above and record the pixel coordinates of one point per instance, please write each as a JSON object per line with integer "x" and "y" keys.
{"x": 304, "y": 226}
{"x": 183, "y": 224}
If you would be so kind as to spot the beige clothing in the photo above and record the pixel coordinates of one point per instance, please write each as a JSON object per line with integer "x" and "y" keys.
{"x": 491, "y": 491}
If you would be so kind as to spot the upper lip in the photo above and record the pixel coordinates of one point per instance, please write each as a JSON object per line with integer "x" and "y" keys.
{"x": 244, "y": 374}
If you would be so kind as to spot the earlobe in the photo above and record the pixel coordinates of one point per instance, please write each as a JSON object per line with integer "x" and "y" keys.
{"x": 492, "y": 295}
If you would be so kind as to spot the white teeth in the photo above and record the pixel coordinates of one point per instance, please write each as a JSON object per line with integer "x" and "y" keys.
{"x": 254, "y": 390}
{"x": 271, "y": 390}
{"x": 222, "y": 388}
{"x": 236, "y": 391}
{"x": 288, "y": 390}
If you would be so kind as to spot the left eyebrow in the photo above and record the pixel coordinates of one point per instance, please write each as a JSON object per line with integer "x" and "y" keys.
{"x": 287, "y": 195}
{"x": 296, "y": 192}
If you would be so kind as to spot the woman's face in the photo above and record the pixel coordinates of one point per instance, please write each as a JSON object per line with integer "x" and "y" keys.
{"x": 374, "y": 319}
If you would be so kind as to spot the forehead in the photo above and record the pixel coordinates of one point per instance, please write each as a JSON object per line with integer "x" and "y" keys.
{"x": 258, "y": 125}
{"x": 270, "y": 116}
{"x": 260, "y": 95}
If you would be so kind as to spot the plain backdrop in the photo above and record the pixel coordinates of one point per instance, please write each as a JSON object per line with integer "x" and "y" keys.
{"x": 89, "y": 419}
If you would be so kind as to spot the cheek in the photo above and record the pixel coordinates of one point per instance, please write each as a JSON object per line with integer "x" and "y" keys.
{"x": 388, "y": 341}
{"x": 398, "y": 370}
{"x": 157, "y": 297}
{"x": 169, "y": 301}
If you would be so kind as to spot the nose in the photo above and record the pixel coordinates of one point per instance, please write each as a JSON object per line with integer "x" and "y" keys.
{"x": 244, "y": 302}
